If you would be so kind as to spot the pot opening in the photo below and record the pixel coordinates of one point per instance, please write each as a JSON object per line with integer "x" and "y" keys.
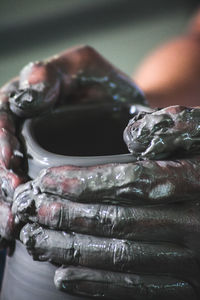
{"x": 83, "y": 132}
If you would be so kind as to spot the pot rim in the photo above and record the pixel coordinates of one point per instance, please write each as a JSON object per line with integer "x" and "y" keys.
{"x": 38, "y": 158}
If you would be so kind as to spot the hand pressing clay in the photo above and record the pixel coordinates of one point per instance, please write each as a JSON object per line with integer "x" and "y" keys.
{"x": 140, "y": 219}
{"x": 117, "y": 229}
{"x": 172, "y": 131}
{"x": 10, "y": 162}
{"x": 79, "y": 74}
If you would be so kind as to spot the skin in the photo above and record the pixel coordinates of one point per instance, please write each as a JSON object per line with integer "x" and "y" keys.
{"x": 40, "y": 86}
{"x": 144, "y": 182}
{"x": 79, "y": 74}
{"x": 109, "y": 220}
{"x": 171, "y": 131}
{"x": 10, "y": 159}
{"x": 88, "y": 282}
{"x": 161, "y": 238}
{"x": 171, "y": 73}
{"x": 163, "y": 266}
{"x": 113, "y": 254}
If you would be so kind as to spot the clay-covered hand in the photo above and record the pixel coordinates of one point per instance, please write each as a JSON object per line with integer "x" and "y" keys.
{"x": 10, "y": 161}
{"x": 120, "y": 229}
{"x": 124, "y": 229}
{"x": 80, "y": 74}
{"x": 76, "y": 74}
{"x": 132, "y": 229}
{"x": 173, "y": 131}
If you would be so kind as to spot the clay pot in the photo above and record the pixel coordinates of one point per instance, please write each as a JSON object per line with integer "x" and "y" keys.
{"x": 81, "y": 136}
{"x": 26, "y": 279}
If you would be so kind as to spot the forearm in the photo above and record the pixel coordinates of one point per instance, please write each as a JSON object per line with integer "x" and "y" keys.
{"x": 170, "y": 74}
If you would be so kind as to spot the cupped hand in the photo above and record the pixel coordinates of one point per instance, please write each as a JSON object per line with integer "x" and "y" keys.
{"x": 78, "y": 73}
{"x": 10, "y": 163}
{"x": 117, "y": 230}
{"x": 173, "y": 131}
{"x": 124, "y": 229}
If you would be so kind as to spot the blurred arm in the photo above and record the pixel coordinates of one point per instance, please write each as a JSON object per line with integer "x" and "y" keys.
{"x": 171, "y": 74}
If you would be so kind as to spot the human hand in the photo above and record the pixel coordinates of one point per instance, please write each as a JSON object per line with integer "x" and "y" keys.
{"x": 169, "y": 132}
{"x": 79, "y": 74}
{"x": 122, "y": 229}
{"x": 10, "y": 163}
{"x": 41, "y": 85}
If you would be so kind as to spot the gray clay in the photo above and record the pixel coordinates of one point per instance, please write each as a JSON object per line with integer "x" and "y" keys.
{"x": 169, "y": 132}
{"x": 117, "y": 226}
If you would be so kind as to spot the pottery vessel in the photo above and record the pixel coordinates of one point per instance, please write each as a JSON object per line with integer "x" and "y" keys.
{"x": 81, "y": 136}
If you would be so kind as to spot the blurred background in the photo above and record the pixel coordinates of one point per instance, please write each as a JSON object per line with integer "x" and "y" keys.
{"x": 124, "y": 31}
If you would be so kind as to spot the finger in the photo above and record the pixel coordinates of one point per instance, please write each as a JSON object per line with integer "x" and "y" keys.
{"x": 112, "y": 254}
{"x": 9, "y": 162}
{"x": 6, "y": 91}
{"x": 83, "y": 67}
{"x": 164, "y": 133}
{"x": 148, "y": 223}
{"x": 10, "y": 153}
{"x": 113, "y": 285}
{"x": 62, "y": 76}
{"x": 6, "y": 221}
{"x": 7, "y": 121}
{"x": 143, "y": 182}
{"x": 9, "y": 181}
{"x": 39, "y": 87}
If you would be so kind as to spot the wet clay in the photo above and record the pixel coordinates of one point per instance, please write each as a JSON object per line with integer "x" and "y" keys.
{"x": 129, "y": 229}
{"x": 169, "y": 132}
{"x": 143, "y": 222}
{"x": 80, "y": 74}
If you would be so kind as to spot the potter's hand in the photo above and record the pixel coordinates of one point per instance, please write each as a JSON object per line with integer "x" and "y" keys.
{"x": 80, "y": 74}
{"x": 77, "y": 73}
{"x": 9, "y": 162}
{"x": 131, "y": 229}
{"x": 173, "y": 131}
{"x": 136, "y": 225}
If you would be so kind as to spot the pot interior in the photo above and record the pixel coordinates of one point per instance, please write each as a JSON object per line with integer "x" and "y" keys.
{"x": 85, "y": 135}
{"x": 88, "y": 131}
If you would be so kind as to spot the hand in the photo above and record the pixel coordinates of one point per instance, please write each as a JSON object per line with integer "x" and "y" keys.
{"x": 80, "y": 75}
{"x": 10, "y": 163}
{"x": 145, "y": 182}
{"x": 40, "y": 86}
{"x": 122, "y": 229}
{"x": 132, "y": 240}
{"x": 169, "y": 132}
